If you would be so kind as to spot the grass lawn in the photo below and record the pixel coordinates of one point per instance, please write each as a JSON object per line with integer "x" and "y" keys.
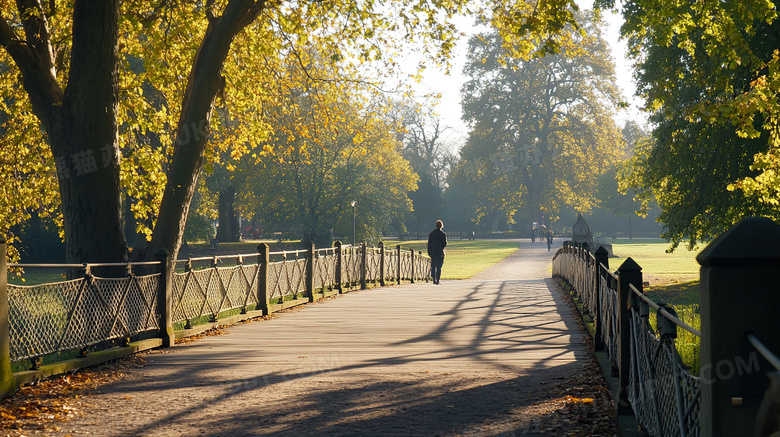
{"x": 673, "y": 279}
{"x": 652, "y": 257}
{"x": 466, "y": 258}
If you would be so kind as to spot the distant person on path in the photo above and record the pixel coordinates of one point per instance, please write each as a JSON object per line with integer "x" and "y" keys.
{"x": 437, "y": 241}
{"x": 549, "y": 236}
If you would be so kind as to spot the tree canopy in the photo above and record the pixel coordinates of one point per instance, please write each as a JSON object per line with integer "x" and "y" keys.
{"x": 332, "y": 145}
{"x": 705, "y": 70}
{"x": 542, "y": 128}
{"x": 119, "y": 96}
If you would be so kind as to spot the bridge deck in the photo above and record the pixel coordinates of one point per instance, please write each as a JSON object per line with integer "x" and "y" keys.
{"x": 461, "y": 358}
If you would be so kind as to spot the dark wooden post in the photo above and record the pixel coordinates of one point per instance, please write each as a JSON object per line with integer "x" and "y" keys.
{"x": 339, "y": 266}
{"x": 398, "y": 264}
{"x": 363, "y": 266}
{"x": 602, "y": 257}
{"x": 382, "y": 263}
{"x": 628, "y": 273}
{"x": 412, "y": 261}
{"x": 7, "y": 384}
{"x": 240, "y": 262}
{"x": 262, "y": 278}
{"x": 310, "y": 260}
{"x": 739, "y": 295}
{"x": 165, "y": 298}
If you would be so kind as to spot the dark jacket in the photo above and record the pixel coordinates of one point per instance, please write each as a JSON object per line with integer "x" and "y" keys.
{"x": 437, "y": 241}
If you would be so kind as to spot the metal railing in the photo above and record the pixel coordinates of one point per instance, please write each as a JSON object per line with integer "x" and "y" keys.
{"x": 664, "y": 395}
{"x": 81, "y": 313}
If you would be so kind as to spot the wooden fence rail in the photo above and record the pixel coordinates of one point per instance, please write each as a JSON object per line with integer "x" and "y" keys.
{"x": 737, "y": 388}
{"x": 153, "y": 304}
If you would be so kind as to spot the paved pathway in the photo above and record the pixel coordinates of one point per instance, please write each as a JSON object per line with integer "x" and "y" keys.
{"x": 469, "y": 357}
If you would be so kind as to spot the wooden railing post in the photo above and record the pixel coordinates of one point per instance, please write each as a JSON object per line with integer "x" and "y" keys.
{"x": 262, "y": 279}
{"x": 7, "y": 384}
{"x": 412, "y": 261}
{"x": 310, "y": 251}
{"x": 363, "y": 266}
{"x": 339, "y": 266}
{"x": 629, "y": 273}
{"x": 165, "y": 298}
{"x": 398, "y": 264}
{"x": 382, "y": 263}
{"x": 739, "y": 296}
{"x": 602, "y": 257}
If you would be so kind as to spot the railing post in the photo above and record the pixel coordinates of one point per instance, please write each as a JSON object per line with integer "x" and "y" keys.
{"x": 412, "y": 261}
{"x": 165, "y": 298}
{"x": 382, "y": 263}
{"x": 339, "y": 266}
{"x": 240, "y": 262}
{"x": 363, "y": 266}
{"x": 398, "y": 264}
{"x": 602, "y": 257}
{"x": 628, "y": 273}
{"x": 310, "y": 251}
{"x": 7, "y": 384}
{"x": 739, "y": 295}
{"x": 262, "y": 279}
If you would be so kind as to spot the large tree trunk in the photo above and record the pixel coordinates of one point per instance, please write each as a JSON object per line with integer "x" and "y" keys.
{"x": 228, "y": 220}
{"x": 84, "y": 139}
{"x": 79, "y": 121}
{"x": 192, "y": 133}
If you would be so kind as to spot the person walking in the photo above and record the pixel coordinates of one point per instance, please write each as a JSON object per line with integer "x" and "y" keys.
{"x": 549, "y": 236}
{"x": 437, "y": 241}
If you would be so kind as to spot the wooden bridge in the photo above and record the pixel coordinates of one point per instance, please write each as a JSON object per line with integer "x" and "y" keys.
{"x": 473, "y": 357}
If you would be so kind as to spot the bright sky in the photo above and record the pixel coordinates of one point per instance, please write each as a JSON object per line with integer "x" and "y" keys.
{"x": 435, "y": 80}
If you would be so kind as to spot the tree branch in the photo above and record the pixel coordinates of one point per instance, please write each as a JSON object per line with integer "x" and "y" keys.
{"x": 37, "y": 74}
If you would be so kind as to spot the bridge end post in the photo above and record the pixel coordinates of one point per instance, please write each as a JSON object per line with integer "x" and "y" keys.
{"x": 363, "y": 272}
{"x": 165, "y": 298}
{"x": 262, "y": 279}
{"x": 739, "y": 296}
{"x": 382, "y": 263}
{"x": 339, "y": 266}
{"x": 7, "y": 383}
{"x": 398, "y": 264}
{"x": 310, "y": 260}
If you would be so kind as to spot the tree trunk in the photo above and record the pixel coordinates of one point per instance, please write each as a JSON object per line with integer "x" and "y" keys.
{"x": 193, "y": 130}
{"x": 80, "y": 121}
{"x": 228, "y": 220}
{"x": 83, "y": 138}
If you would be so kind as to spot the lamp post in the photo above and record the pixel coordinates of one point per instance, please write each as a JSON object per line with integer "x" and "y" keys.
{"x": 354, "y": 202}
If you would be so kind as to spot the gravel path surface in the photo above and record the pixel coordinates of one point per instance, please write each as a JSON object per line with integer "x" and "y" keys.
{"x": 500, "y": 354}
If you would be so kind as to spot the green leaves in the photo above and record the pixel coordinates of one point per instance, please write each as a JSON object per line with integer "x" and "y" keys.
{"x": 705, "y": 71}
{"x": 542, "y": 126}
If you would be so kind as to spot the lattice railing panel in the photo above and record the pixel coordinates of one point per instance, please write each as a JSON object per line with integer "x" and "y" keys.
{"x": 75, "y": 314}
{"x": 325, "y": 272}
{"x": 287, "y": 277}
{"x": 391, "y": 265}
{"x": 350, "y": 271}
{"x": 406, "y": 265}
{"x": 208, "y": 292}
{"x": 422, "y": 269}
{"x": 373, "y": 260}
{"x": 660, "y": 389}
{"x": 608, "y": 303}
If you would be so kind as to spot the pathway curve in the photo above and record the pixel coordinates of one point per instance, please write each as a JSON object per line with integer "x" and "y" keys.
{"x": 484, "y": 356}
